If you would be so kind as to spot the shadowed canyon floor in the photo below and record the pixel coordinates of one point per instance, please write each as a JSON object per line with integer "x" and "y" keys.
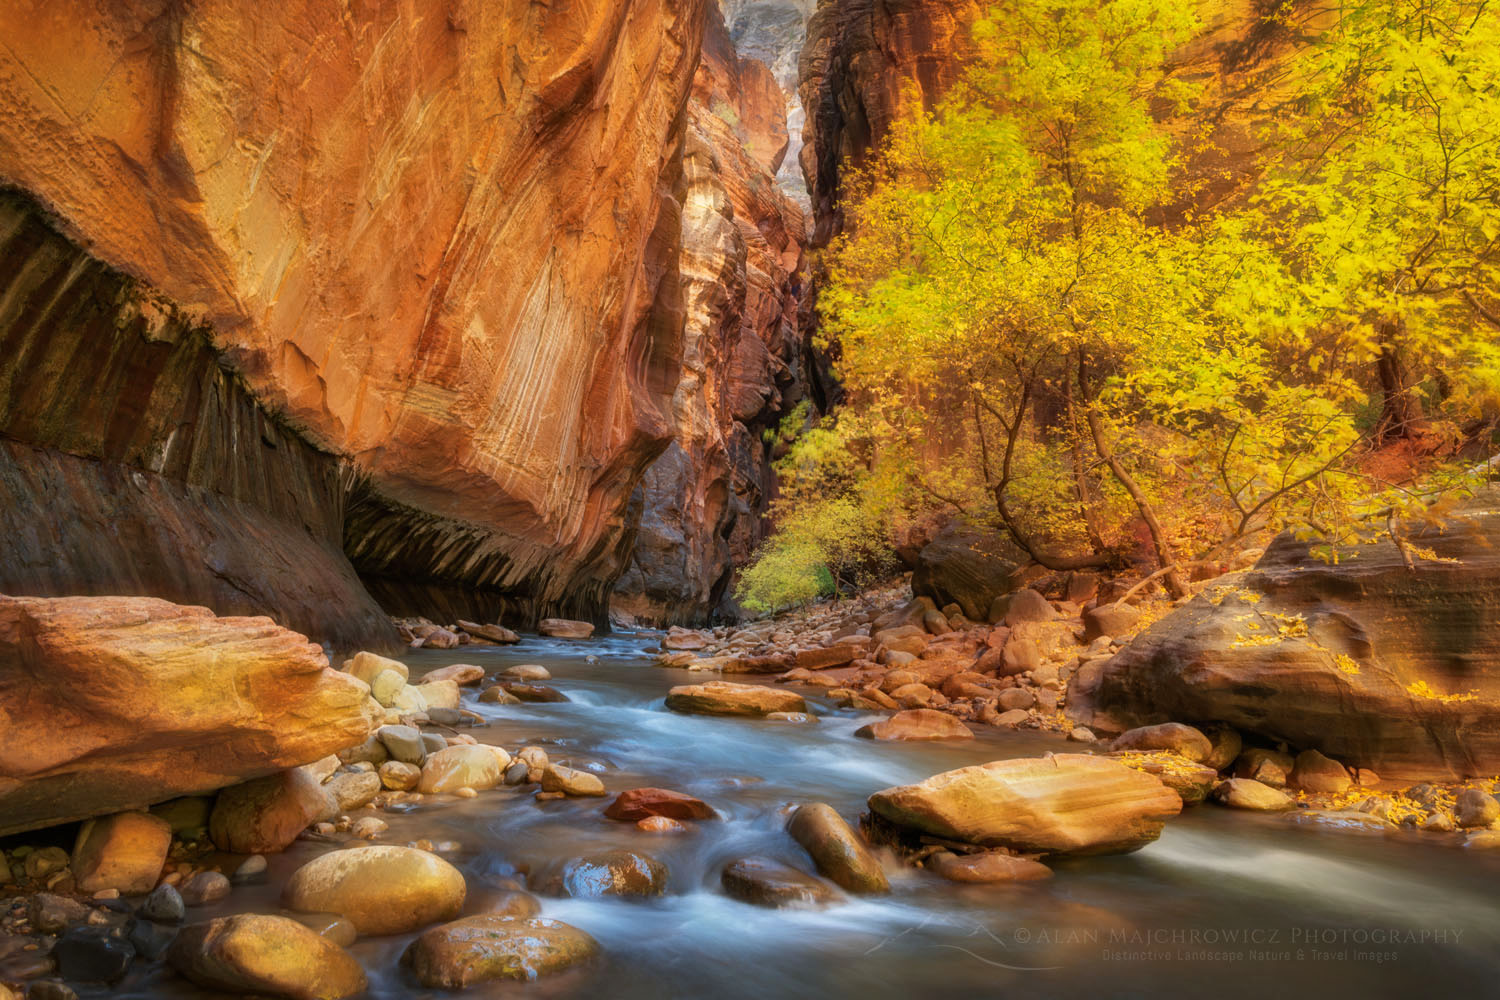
{"x": 1225, "y": 902}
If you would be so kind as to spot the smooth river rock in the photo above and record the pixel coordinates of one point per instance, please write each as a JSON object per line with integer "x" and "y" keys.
{"x": 124, "y": 852}
{"x": 265, "y": 815}
{"x": 917, "y": 724}
{"x": 612, "y": 873}
{"x": 461, "y": 766}
{"x": 491, "y": 946}
{"x": 729, "y": 698}
{"x": 265, "y": 956}
{"x": 380, "y": 889}
{"x": 1063, "y": 804}
{"x": 766, "y": 882}
{"x": 129, "y": 692}
{"x": 638, "y": 803}
{"x": 840, "y": 854}
{"x": 563, "y": 628}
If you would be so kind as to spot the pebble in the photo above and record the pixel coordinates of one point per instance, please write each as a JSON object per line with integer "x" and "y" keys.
{"x": 164, "y": 905}
{"x": 204, "y": 888}
{"x": 369, "y": 827}
{"x": 251, "y": 869}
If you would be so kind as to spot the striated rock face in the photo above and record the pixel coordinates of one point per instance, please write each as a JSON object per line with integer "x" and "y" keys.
{"x": 133, "y": 462}
{"x": 438, "y": 241}
{"x": 743, "y": 351}
{"x": 864, "y": 59}
{"x": 774, "y": 32}
{"x": 114, "y": 703}
{"x": 1373, "y": 663}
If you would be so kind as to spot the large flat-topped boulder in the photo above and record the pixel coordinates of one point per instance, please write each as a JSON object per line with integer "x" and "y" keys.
{"x": 1062, "y": 804}
{"x": 115, "y": 703}
{"x": 1373, "y": 662}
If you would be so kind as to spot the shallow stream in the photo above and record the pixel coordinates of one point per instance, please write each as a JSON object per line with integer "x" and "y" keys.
{"x": 1224, "y": 904}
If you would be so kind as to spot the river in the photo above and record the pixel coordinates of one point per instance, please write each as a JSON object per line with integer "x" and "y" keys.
{"x": 1224, "y": 904}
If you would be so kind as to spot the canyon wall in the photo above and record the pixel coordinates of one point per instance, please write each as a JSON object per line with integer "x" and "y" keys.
{"x": 863, "y": 62}
{"x": 700, "y": 505}
{"x": 418, "y": 263}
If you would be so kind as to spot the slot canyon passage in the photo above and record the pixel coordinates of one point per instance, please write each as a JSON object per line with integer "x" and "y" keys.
{"x": 749, "y": 498}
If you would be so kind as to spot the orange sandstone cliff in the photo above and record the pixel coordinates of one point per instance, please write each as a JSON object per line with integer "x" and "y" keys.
{"x": 296, "y": 291}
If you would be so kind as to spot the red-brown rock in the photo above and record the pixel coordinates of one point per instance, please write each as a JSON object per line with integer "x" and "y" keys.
{"x": 917, "y": 724}
{"x": 638, "y": 803}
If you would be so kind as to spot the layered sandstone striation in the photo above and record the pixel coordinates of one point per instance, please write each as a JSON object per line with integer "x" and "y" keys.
{"x": 115, "y": 703}
{"x": 744, "y": 353}
{"x": 865, "y": 62}
{"x": 435, "y": 244}
{"x": 1380, "y": 660}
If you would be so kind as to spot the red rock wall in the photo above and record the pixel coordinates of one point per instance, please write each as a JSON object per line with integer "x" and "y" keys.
{"x": 437, "y": 239}
{"x": 863, "y": 60}
{"x": 744, "y": 351}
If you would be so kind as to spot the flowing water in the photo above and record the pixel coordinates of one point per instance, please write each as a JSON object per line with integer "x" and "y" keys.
{"x": 1224, "y": 904}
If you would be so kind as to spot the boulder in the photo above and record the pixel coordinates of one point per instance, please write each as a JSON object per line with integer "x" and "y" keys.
{"x": 612, "y": 873}
{"x": 563, "y": 628}
{"x": 353, "y": 789}
{"x": 728, "y": 698}
{"x": 438, "y": 694}
{"x": 459, "y": 673}
{"x": 367, "y": 666}
{"x": 1269, "y": 767}
{"x": 916, "y": 724}
{"x": 379, "y": 889}
{"x": 440, "y": 638}
{"x": 988, "y": 867}
{"x": 490, "y": 633}
{"x": 571, "y": 781}
{"x": 1174, "y": 736}
{"x": 403, "y": 743}
{"x": 461, "y": 766}
{"x": 527, "y": 672}
{"x": 1019, "y": 656}
{"x": 1226, "y": 744}
{"x": 536, "y": 693}
{"x": 839, "y": 852}
{"x": 639, "y": 803}
{"x": 265, "y": 956}
{"x": 265, "y": 815}
{"x": 494, "y": 946}
{"x": 1109, "y": 620}
{"x": 965, "y": 566}
{"x": 1313, "y": 772}
{"x": 1473, "y": 808}
{"x": 129, "y": 691}
{"x": 765, "y": 882}
{"x": 773, "y": 663}
{"x": 1372, "y": 663}
{"x": 826, "y": 657}
{"x": 683, "y": 638}
{"x": 125, "y": 852}
{"x": 1247, "y": 793}
{"x": 1063, "y": 804}
{"x": 1027, "y": 605}
{"x": 1191, "y": 781}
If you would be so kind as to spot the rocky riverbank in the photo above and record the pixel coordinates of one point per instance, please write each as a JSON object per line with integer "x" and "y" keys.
{"x": 158, "y": 879}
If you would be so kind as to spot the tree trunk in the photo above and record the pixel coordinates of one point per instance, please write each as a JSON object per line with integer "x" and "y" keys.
{"x": 1172, "y": 576}
{"x": 1401, "y": 409}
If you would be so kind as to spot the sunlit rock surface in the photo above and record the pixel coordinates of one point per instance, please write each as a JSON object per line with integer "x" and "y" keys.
{"x": 116, "y": 703}
{"x": 744, "y": 352}
{"x": 438, "y": 243}
{"x": 1374, "y": 663}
